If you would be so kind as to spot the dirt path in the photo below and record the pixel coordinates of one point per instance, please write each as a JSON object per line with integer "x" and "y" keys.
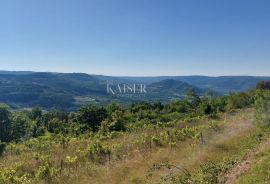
{"x": 245, "y": 165}
{"x": 216, "y": 143}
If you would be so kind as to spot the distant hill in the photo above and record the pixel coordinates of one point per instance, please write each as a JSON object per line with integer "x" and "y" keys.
{"x": 170, "y": 89}
{"x": 70, "y": 90}
{"x": 15, "y": 72}
{"x": 222, "y": 85}
{"x": 47, "y": 89}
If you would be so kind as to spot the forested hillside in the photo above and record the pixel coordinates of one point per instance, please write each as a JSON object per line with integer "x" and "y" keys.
{"x": 70, "y": 91}
{"x": 199, "y": 139}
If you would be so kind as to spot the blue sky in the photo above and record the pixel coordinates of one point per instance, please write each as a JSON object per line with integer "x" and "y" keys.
{"x": 136, "y": 37}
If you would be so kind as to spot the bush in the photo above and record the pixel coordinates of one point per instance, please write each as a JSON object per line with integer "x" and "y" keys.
{"x": 156, "y": 140}
{"x": 209, "y": 173}
{"x": 98, "y": 152}
{"x": 12, "y": 175}
{"x": 263, "y": 85}
{"x": 2, "y": 148}
{"x": 5, "y": 123}
{"x": 46, "y": 171}
{"x": 238, "y": 100}
{"x": 262, "y": 105}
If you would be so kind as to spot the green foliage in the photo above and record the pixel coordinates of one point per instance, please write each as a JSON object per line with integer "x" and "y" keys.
{"x": 156, "y": 140}
{"x": 13, "y": 175}
{"x": 92, "y": 116}
{"x": 71, "y": 160}
{"x": 239, "y": 100}
{"x": 192, "y": 98}
{"x": 36, "y": 113}
{"x": 56, "y": 126}
{"x": 186, "y": 133}
{"x": 176, "y": 174}
{"x": 116, "y": 122}
{"x": 63, "y": 140}
{"x": 113, "y": 107}
{"x": 263, "y": 85}
{"x": 262, "y": 105}
{"x": 5, "y": 123}
{"x": 98, "y": 152}
{"x": 21, "y": 126}
{"x": 209, "y": 173}
{"x": 227, "y": 164}
{"x": 177, "y": 106}
{"x": 205, "y": 108}
{"x": 148, "y": 126}
{"x": 46, "y": 171}
{"x": 219, "y": 104}
{"x": 39, "y": 129}
{"x": 2, "y": 148}
{"x": 260, "y": 170}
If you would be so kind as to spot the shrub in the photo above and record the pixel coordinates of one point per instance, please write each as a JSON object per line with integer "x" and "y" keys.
{"x": 45, "y": 171}
{"x": 2, "y": 148}
{"x": 263, "y": 85}
{"x": 262, "y": 104}
{"x": 156, "y": 140}
{"x": 12, "y": 175}
{"x": 209, "y": 173}
{"x": 98, "y": 152}
{"x": 5, "y": 123}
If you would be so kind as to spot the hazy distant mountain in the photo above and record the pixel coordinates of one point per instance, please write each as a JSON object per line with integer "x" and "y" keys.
{"x": 15, "y": 72}
{"x": 222, "y": 85}
{"x": 68, "y": 91}
{"x": 47, "y": 89}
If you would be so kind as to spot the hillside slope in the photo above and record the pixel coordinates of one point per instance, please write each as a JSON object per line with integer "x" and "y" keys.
{"x": 69, "y": 91}
{"x": 132, "y": 159}
{"x": 222, "y": 84}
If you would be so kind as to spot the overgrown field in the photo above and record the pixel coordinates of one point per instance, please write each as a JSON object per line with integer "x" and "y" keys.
{"x": 198, "y": 140}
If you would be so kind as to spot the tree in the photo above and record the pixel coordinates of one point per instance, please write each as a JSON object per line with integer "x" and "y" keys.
{"x": 205, "y": 108}
{"x": 116, "y": 119}
{"x": 193, "y": 98}
{"x": 5, "y": 123}
{"x": 2, "y": 148}
{"x": 36, "y": 113}
{"x": 92, "y": 116}
{"x": 263, "y": 85}
{"x": 238, "y": 100}
{"x": 116, "y": 122}
{"x": 39, "y": 129}
{"x": 56, "y": 126}
{"x": 219, "y": 104}
{"x": 180, "y": 106}
{"x": 113, "y": 107}
{"x": 206, "y": 103}
{"x": 54, "y": 114}
{"x": 21, "y": 126}
{"x": 158, "y": 106}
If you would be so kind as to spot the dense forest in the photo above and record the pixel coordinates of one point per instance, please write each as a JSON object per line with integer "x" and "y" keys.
{"x": 86, "y": 140}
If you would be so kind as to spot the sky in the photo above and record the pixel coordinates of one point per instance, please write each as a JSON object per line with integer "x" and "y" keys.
{"x": 136, "y": 37}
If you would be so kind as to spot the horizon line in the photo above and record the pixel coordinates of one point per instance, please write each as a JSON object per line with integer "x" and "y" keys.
{"x": 136, "y": 76}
